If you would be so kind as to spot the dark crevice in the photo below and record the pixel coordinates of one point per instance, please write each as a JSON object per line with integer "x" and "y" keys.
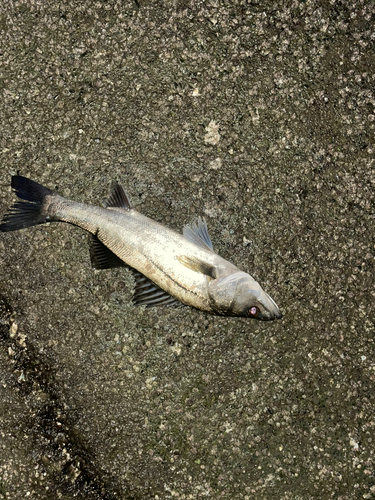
{"x": 64, "y": 456}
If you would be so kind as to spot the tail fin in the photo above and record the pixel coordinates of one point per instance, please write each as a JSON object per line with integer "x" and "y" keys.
{"x": 26, "y": 213}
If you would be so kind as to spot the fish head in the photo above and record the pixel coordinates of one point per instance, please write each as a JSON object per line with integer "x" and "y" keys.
{"x": 238, "y": 294}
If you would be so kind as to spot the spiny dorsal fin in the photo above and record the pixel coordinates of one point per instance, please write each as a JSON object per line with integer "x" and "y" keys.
{"x": 101, "y": 256}
{"x": 148, "y": 294}
{"x": 197, "y": 233}
{"x": 118, "y": 199}
{"x": 198, "y": 266}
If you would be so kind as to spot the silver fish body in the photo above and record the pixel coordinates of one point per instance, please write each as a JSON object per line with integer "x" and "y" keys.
{"x": 169, "y": 266}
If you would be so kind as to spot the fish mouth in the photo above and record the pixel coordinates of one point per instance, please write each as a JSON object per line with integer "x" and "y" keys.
{"x": 270, "y": 316}
{"x": 272, "y": 313}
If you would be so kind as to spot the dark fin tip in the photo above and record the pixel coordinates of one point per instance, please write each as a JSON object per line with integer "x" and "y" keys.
{"x": 29, "y": 190}
{"x": 26, "y": 213}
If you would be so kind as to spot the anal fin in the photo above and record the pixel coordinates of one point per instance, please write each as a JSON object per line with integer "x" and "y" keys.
{"x": 101, "y": 256}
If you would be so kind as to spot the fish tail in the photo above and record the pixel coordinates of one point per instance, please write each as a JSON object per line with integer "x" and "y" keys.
{"x": 27, "y": 213}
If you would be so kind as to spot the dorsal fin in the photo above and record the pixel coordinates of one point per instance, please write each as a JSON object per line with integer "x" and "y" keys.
{"x": 148, "y": 294}
{"x": 118, "y": 199}
{"x": 197, "y": 233}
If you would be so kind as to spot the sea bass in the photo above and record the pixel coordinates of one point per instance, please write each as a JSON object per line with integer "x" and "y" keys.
{"x": 169, "y": 267}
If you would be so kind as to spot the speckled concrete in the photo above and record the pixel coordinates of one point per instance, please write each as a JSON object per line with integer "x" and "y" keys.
{"x": 259, "y": 117}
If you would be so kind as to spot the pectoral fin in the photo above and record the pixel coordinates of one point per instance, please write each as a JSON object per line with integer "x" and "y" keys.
{"x": 197, "y": 265}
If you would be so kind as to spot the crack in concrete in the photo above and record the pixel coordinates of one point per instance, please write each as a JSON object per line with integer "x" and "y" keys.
{"x": 65, "y": 457}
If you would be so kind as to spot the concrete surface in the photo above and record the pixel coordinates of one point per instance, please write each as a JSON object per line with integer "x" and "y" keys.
{"x": 257, "y": 115}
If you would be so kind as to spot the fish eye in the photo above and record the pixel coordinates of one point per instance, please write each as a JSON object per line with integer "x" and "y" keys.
{"x": 253, "y": 312}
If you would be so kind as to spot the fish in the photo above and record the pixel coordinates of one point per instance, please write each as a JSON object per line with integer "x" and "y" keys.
{"x": 169, "y": 268}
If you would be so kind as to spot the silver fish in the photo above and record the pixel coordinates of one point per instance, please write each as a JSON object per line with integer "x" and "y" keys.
{"x": 169, "y": 267}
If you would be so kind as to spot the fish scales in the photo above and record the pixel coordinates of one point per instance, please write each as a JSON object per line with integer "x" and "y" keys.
{"x": 144, "y": 245}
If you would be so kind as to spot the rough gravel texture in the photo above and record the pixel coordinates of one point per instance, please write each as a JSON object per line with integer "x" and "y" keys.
{"x": 258, "y": 115}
